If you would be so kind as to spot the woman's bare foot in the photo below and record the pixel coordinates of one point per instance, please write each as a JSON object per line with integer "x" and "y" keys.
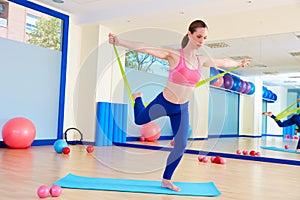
{"x": 267, "y": 114}
{"x": 168, "y": 184}
{"x": 136, "y": 95}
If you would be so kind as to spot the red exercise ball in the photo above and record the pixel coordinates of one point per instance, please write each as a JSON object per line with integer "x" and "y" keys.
{"x": 90, "y": 148}
{"x": 18, "y": 133}
{"x": 66, "y": 150}
{"x": 217, "y": 159}
{"x": 150, "y": 131}
{"x": 252, "y": 153}
{"x": 172, "y": 143}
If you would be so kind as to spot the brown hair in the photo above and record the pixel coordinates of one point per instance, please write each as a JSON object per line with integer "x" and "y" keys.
{"x": 192, "y": 28}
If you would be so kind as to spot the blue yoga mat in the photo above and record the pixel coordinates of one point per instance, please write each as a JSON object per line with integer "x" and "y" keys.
{"x": 141, "y": 186}
{"x": 279, "y": 149}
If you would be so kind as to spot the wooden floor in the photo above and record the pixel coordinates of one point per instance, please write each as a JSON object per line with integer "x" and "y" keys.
{"x": 23, "y": 171}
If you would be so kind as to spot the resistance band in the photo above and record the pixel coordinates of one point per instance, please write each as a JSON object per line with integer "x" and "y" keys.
{"x": 202, "y": 82}
{"x": 286, "y": 112}
{"x": 124, "y": 76}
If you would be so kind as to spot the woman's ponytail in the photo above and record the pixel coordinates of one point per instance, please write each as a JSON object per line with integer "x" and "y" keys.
{"x": 184, "y": 41}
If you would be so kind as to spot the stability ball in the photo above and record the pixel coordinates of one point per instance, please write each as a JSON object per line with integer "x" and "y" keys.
{"x": 252, "y": 88}
{"x": 219, "y": 82}
{"x": 59, "y": 145}
{"x": 274, "y": 97}
{"x": 213, "y": 72}
{"x": 270, "y": 94}
{"x": 150, "y": 131}
{"x": 236, "y": 83}
{"x": 243, "y": 86}
{"x": 18, "y": 133}
{"x": 228, "y": 82}
{"x": 264, "y": 90}
{"x": 266, "y": 93}
{"x": 248, "y": 88}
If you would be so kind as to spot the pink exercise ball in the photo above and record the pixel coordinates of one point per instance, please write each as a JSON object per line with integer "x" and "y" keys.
{"x": 219, "y": 82}
{"x": 43, "y": 191}
{"x": 18, "y": 133}
{"x": 150, "y": 131}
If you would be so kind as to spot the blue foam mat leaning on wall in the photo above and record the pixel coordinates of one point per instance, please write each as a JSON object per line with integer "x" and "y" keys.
{"x": 141, "y": 186}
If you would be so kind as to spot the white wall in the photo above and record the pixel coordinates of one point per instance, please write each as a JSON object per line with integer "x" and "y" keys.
{"x": 73, "y": 69}
{"x": 109, "y": 78}
{"x": 81, "y": 80}
{"x": 279, "y": 105}
{"x": 251, "y": 110}
{"x": 199, "y": 108}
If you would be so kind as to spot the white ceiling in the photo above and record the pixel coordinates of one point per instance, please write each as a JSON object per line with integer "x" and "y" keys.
{"x": 273, "y": 64}
{"x": 143, "y": 12}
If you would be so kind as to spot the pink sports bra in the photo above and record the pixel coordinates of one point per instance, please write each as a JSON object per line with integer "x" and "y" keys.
{"x": 182, "y": 75}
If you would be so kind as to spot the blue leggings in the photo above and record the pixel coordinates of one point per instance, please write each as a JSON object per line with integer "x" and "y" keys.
{"x": 295, "y": 119}
{"x": 179, "y": 118}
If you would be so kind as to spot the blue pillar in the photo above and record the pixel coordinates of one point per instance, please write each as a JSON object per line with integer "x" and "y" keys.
{"x": 289, "y": 130}
{"x": 111, "y": 123}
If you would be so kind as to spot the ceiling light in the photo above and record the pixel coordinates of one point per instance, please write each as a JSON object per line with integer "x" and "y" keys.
{"x": 58, "y": 1}
{"x": 217, "y": 45}
{"x": 241, "y": 57}
{"x": 270, "y": 72}
{"x": 260, "y": 65}
{"x": 287, "y": 81}
{"x": 295, "y": 53}
{"x": 297, "y": 34}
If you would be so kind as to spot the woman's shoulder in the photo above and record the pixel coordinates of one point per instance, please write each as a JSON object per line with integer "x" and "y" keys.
{"x": 173, "y": 50}
{"x": 201, "y": 56}
{"x": 174, "y": 53}
{"x": 204, "y": 59}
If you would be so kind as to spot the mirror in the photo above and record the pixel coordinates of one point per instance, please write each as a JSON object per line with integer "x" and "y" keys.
{"x": 276, "y": 63}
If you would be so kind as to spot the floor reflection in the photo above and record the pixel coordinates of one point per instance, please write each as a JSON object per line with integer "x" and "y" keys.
{"x": 231, "y": 145}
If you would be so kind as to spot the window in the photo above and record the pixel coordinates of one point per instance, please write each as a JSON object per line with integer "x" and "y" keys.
{"x": 31, "y": 22}
{"x": 146, "y": 63}
{"x": 3, "y": 13}
{"x": 41, "y": 76}
{"x": 2, "y": 8}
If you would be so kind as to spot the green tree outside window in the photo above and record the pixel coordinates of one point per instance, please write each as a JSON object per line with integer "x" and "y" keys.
{"x": 47, "y": 33}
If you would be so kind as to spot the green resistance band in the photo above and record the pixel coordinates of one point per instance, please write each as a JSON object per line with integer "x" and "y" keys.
{"x": 202, "y": 82}
{"x": 124, "y": 76}
{"x": 286, "y": 112}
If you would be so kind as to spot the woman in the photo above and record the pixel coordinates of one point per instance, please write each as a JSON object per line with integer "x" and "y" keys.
{"x": 294, "y": 120}
{"x": 185, "y": 71}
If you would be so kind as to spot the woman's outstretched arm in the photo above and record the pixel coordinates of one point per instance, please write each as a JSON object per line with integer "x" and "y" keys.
{"x": 223, "y": 62}
{"x": 159, "y": 52}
